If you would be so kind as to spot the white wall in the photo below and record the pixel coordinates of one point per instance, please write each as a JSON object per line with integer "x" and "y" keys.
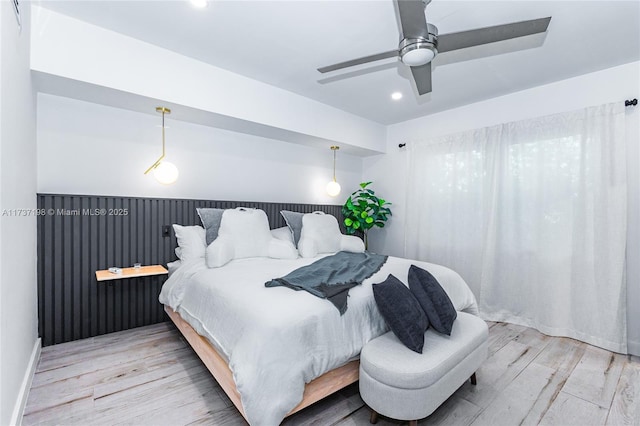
{"x": 108, "y": 59}
{"x": 85, "y": 148}
{"x": 611, "y": 85}
{"x": 18, "y": 296}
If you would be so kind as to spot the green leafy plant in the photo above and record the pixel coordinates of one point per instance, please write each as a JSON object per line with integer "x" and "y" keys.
{"x": 363, "y": 210}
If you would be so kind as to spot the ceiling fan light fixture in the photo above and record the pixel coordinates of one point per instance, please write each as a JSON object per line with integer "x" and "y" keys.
{"x": 419, "y": 51}
{"x": 418, "y": 56}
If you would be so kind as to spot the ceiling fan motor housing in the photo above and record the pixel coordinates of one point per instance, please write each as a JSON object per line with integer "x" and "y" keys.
{"x": 419, "y": 50}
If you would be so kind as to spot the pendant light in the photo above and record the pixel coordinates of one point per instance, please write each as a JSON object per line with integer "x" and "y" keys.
{"x": 165, "y": 172}
{"x": 333, "y": 187}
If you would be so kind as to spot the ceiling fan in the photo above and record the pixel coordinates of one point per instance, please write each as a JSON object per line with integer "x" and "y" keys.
{"x": 420, "y": 41}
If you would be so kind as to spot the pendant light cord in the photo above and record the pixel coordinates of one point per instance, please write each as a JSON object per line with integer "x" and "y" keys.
{"x": 334, "y": 165}
{"x": 163, "y": 133}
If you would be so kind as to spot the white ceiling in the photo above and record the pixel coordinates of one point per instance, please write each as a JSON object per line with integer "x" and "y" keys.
{"x": 283, "y": 42}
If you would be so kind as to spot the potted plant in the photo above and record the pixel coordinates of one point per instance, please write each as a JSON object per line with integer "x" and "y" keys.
{"x": 363, "y": 210}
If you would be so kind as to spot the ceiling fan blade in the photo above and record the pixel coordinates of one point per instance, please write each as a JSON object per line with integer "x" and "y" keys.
{"x": 412, "y": 20}
{"x": 460, "y": 40}
{"x": 422, "y": 77}
{"x": 363, "y": 60}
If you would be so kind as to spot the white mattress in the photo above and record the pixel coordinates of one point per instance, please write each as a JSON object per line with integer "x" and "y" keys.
{"x": 277, "y": 339}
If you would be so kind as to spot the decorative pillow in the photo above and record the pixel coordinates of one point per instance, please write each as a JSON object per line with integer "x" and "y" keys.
{"x": 402, "y": 312}
{"x": 294, "y": 222}
{"x": 283, "y": 234}
{"x": 191, "y": 242}
{"x": 433, "y": 299}
{"x": 211, "y": 221}
{"x": 245, "y": 233}
{"x": 173, "y": 266}
{"x": 321, "y": 234}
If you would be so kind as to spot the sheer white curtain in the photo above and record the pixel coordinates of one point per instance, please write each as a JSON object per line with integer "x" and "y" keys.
{"x": 533, "y": 215}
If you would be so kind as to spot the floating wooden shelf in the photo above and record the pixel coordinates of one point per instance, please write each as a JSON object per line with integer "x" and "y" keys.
{"x": 143, "y": 271}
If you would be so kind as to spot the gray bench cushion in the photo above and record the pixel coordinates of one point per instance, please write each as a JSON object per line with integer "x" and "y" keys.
{"x": 387, "y": 360}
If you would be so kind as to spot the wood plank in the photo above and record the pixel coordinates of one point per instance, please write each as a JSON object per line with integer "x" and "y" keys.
{"x": 625, "y": 408}
{"x": 533, "y": 338}
{"x": 121, "y": 375}
{"x": 568, "y": 410}
{"x": 497, "y": 372}
{"x": 82, "y": 365}
{"x": 143, "y": 271}
{"x": 596, "y": 376}
{"x": 329, "y": 410}
{"x": 87, "y": 349}
{"x": 54, "y": 414}
{"x": 361, "y": 417}
{"x": 502, "y": 333}
{"x": 140, "y": 382}
{"x": 227, "y": 417}
{"x": 515, "y": 402}
{"x": 454, "y": 411}
{"x": 561, "y": 355}
{"x": 152, "y": 371}
{"x": 191, "y": 397}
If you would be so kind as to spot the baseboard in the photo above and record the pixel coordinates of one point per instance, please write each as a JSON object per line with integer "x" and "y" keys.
{"x": 21, "y": 401}
{"x": 633, "y": 348}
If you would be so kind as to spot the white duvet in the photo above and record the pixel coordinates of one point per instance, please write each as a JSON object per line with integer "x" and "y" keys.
{"x": 277, "y": 339}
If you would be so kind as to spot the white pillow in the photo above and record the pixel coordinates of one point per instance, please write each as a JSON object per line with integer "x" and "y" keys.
{"x": 283, "y": 234}
{"x": 173, "y": 266}
{"x": 321, "y": 234}
{"x": 245, "y": 233}
{"x": 191, "y": 242}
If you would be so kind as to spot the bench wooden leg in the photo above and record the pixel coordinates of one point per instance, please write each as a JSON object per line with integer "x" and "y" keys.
{"x": 473, "y": 379}
{"x": 374, "y": 417}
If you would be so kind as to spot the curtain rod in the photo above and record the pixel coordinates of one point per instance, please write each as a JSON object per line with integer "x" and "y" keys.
{"x": 630, "y": 102}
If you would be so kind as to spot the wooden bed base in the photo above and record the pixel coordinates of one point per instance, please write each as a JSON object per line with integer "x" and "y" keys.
{"x": 314, "y": 391}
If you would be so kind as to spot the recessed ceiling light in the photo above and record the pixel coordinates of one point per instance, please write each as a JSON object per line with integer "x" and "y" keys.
{"x": 200, "y": 4}
{"x": 396, "y": 96}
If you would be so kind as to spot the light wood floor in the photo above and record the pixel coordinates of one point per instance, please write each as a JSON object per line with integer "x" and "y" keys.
{"x": 150, "y": 376}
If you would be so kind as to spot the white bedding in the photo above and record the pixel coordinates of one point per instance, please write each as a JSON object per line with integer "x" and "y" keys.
{"x": 276, "y": 339}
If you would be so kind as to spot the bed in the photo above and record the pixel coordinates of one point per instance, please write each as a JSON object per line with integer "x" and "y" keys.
{"x": 274, "y": 350}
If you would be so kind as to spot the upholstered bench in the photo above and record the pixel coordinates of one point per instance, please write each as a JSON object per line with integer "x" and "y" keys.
{"x": 404, "y": 385}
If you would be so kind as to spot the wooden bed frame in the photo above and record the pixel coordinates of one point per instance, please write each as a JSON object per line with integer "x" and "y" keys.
{"x": 314, "y": 391}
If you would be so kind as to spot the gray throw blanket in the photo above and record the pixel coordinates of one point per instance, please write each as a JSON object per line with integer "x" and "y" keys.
{"x": 333, "y": 276}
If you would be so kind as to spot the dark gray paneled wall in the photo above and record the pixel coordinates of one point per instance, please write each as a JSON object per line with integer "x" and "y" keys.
{"x": 80, "y": 234}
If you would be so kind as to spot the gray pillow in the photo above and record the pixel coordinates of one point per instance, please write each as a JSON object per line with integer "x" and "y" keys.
{"x": 402, "y": 312}
{"x": 211, "y": 219}
{"x": 433, "y": 299}
{"x": 294, "y": 222}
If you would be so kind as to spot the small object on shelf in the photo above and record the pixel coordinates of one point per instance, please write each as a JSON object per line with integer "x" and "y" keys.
{"x": 115, "y": 270}
{"x": 142, "y": 271}
{"x": 137, "y": 265}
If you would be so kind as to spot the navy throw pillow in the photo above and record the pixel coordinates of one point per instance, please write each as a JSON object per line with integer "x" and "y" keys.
{"x": 402, "y": 312}
{"x": 434, "y": 300}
